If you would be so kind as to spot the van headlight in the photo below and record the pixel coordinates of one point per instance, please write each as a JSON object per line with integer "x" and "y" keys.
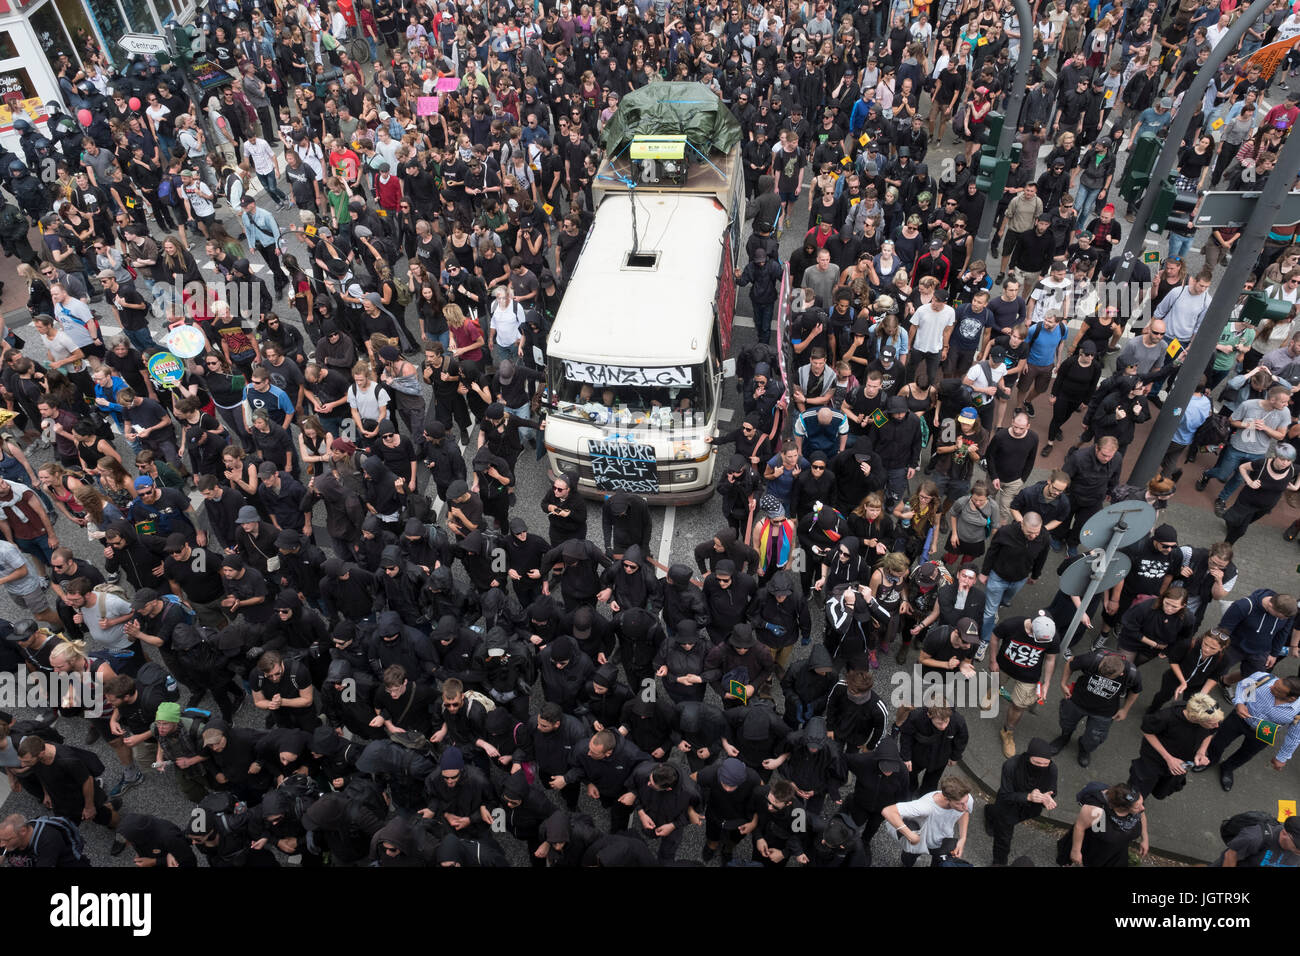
{"x": 683, "y": 475}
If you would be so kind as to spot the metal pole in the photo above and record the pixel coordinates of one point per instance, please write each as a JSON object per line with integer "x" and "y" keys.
{"x": 1025, "y": 18}
{"x": 1098, "y": 572}
{"x": 1176, "y": 130}
{"x": 1240, "y": 266}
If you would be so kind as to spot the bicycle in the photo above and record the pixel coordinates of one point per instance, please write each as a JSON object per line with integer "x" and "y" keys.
{"x": 359, "y": 49}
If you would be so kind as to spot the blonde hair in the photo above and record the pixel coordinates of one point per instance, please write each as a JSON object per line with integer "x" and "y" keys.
{"x": 71, "y": 652}
{"x": 1204, "y": 707}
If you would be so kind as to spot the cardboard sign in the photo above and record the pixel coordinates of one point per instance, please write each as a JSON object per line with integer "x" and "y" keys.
{"x": 624, "y": 466}
{"x": 426, "y": 106}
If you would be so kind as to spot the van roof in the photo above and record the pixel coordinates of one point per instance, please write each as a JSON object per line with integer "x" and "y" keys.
{"x": 615, "y": 315}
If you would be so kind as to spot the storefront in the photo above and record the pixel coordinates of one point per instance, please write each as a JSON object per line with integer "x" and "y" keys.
{"x": 35, "y": 35}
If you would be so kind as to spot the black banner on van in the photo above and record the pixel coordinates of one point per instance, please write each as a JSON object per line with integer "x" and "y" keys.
{"x": 624, "y": 466}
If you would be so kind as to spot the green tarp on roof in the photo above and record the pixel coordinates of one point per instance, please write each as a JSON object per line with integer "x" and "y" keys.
{"x": 673, "y": 108}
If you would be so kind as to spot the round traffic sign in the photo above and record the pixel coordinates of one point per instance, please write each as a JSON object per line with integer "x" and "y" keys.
{"x": 1075, "y": 579}
{"x": 1138, "y": 518}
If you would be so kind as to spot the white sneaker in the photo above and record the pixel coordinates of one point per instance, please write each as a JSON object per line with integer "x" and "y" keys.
{"x": 981, "y": 651}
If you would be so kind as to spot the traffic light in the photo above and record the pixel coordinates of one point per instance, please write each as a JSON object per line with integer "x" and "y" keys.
{"x": 184, "y": 43}
{"x": 1260, "y": 308}
{"x": 1164, "y": 205}
{"x": 1182, "y": 216}
{"x": 991, "y": 174}
{"x": 1137, "y": 176}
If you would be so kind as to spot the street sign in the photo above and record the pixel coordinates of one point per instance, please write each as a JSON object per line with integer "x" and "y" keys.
{"x": 147, "y": 43}
{"x": 1079, "y": 575}
{"x": 1233, "y": 209}
{"x": 1101, "y": 529}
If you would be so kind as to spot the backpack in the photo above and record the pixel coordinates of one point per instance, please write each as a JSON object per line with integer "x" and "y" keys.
{"x": 75, "y": 840}
{"x": 363, "y": 792}
{"x": 1230, "y": 827}
{"x": 219, "y": 812}
{"x": 403, "y": 292}
{"x": 114, "y": 589}
{"x": 1092, "y": 788}
{"x": 29, "y": 728}
{"x": 487, "y": 702}
{"x": 169, "y": 191}
{"x": 190, "y": 615}
{"x": 1214, "y": 431}
{"x": 300, "y": 791}
{"x": 156, "y": 686}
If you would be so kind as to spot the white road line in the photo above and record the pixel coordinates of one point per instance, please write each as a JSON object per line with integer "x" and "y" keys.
{"x": 743, "y": 321}
{"x": 666, "y": 542}
{"x": 725, "y": 414}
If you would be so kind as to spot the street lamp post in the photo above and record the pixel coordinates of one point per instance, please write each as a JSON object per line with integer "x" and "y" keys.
{"x": 1025, "y": 19}
{"x": 1176, "y": 131}
{"x": 1240, "y": 266}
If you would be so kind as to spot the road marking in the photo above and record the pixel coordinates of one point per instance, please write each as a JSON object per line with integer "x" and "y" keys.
{"x": 725, "y": 414}
{"x": 666, "y": 542}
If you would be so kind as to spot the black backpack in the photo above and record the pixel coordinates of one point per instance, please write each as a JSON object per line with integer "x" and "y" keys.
{"x": 156, "y": 686}
{"x": 363, "y": 792}
{"x": 1214, "y": 431}
{"x": 1232, "y": 826}
{"x": 75, "y": 840}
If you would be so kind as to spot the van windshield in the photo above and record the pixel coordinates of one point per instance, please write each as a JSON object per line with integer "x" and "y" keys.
{"x": 670, "y": 397}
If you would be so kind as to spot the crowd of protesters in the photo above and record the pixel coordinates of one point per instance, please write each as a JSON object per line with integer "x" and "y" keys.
{"x": 428, "y": 704}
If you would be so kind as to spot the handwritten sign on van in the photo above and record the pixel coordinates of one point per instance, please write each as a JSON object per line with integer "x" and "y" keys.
{"x": 624, "y": 466}
{"x": 602, "y": 375}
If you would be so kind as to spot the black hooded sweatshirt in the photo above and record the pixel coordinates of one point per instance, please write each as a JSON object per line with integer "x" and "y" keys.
{"x": 139, "y": 557}
{"x": 563, "y": 685}
{"x": 582, "y": 563}
{"x": 682, "y": 598}
{"x": 154, "y": 839}
{"x": 872, "y": 789}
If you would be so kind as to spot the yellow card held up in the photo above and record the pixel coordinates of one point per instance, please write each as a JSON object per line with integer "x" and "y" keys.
{"x": 1285, "y": 808}
{"x": 1174, "y": 348}
{"x": 548, "y": 208}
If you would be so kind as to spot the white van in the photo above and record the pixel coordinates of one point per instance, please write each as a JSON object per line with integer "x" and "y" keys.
{"x": 635, "y": 356}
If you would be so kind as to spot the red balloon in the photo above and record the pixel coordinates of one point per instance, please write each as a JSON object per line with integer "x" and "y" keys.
{"x": 84, "y": 117}
{"x": 134, "y": 102}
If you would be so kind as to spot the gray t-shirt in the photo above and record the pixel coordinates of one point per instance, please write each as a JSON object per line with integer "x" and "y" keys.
{"x": 11, "y": 559}
{"x": 1254, "y": 441}
{"x": 1146, "y": 357}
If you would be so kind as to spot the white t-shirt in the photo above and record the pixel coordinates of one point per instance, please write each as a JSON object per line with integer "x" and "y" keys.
{"x": 980, "y": 380}
{"x": 260, "y": 152}
{"x": 929, "y": 325}
{"x": 200, "y": 197}
{"x": 934, "y": 823}
{"x": 506, "y": 322}
{"x": 368, "y": 403}
{"x": 60, "y": 347}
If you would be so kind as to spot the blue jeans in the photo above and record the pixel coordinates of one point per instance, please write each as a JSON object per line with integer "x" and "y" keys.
{"x": 763, "y": 319}
{"x": 1178, "y": 245}
{"x": 1084, "y": 199}
{"x": 268, "y": 180}
{"x": 36, "y": 547}
{"x": 523, "y": 411}
{"x": 995, "y": 592}
{"x": 141, "y": 339}
{"x": 1095, "y": 729}
{"x": 1226, "y": 469}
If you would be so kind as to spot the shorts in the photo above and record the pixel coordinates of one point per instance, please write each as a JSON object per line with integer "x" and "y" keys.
{"x": 788, "y": 197}
{"x": 1037, "y": 377}
{"x": 1023, "y": 694}
{"x": 34, "y": 601}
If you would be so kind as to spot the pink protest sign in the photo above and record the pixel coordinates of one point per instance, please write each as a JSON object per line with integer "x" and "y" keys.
{"x": 426, "y": 106}
{"x": 447, "y": 84}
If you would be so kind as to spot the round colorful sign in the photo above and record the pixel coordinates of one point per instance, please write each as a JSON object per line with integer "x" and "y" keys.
{"x": 186, "y": 341}
{"x": 166, "y": 369}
